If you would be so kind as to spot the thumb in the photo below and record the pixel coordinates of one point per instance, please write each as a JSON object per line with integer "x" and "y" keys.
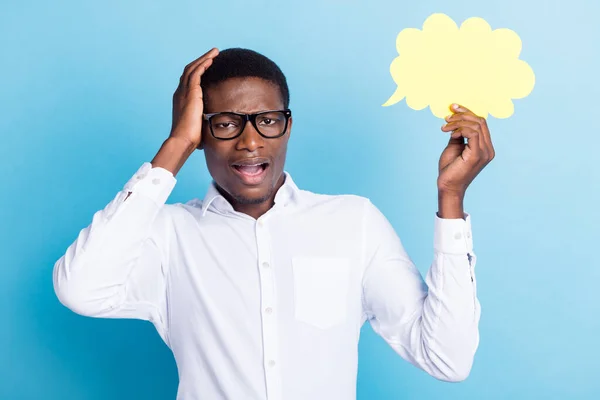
{"x": 456, "y": 141}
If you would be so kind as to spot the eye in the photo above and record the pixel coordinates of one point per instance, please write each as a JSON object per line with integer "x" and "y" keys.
{"x": 225, "y": 121}
{"x": 225, "y": 125}
{"x": 269, "y": 119}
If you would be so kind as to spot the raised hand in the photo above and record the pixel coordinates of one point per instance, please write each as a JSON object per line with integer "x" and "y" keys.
{"x": 188, "y": 106}
{"x": 461, "y": 162}
{"x": 188, "y": 103}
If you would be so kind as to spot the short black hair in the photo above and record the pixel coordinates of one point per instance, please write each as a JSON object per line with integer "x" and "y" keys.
{"x": 245, "y": 63}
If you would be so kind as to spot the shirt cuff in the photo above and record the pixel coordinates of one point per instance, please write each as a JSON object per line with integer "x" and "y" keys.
{"x": 153, "y": 183}
{"x": 453, "y": 236}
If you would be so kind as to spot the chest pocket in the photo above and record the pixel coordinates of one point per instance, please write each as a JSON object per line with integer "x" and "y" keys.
{"x": 321, "y": 291}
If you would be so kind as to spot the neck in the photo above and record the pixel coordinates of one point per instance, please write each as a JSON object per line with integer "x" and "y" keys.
{"x": 255, "y": 210}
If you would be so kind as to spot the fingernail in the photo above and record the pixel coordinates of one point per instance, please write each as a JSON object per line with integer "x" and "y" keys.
{"x": 455, "y": 106}
{"x": 447, "y": 117}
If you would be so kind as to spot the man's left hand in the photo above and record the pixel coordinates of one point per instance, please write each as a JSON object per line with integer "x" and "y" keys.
{"x": 461, "y": 162}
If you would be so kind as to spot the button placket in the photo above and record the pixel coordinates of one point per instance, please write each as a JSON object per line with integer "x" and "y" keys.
{"x": 268, "y": 306}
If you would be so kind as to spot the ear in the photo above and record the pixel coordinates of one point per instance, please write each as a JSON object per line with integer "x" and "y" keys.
{"x": 289, "y": 127}
{"x": 203, "y": 132}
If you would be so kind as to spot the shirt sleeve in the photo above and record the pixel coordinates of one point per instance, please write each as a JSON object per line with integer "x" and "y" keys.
{"x": 432, "y": 324}
{"x": 116, "y": 267}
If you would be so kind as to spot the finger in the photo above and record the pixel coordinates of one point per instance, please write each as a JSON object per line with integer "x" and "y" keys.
{"x": 185, "y": 78}
{"x": 198, "y": 71}
{"x": 212, "y": 53}
{"x": 456, "y": 141}
{"x": 457, "y": 108}
{"x": 462, "y": 113}
{"x": 473, "y": 141}
{"x": 480, "y": 141}
{"x": 463, "y": 117}
{"x": 472, "y": 121}
{"x": 487, "y": 139}
{"x": 452, "y": 126}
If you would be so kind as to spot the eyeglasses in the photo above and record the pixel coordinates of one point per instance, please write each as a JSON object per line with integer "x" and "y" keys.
{"x": 229, "y": 125}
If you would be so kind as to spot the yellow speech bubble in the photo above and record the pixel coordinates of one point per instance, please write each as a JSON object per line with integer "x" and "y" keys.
{"x": 474, "y": 66}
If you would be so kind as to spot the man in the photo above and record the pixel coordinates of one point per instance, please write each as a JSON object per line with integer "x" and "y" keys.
{"x": 261, "y": 289}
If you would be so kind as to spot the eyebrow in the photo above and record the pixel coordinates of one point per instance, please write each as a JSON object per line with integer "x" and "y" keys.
{"x": 246, "y": 112}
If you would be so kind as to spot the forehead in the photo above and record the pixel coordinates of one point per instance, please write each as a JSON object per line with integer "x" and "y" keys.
{"x": 245, "y": 95}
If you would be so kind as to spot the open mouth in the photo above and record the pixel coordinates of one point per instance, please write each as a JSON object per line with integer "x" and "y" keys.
{"x": 251, "y": 170}
{"x": 251, "y": 173}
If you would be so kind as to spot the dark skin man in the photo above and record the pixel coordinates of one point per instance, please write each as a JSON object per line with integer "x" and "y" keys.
{"x": 261, "y": 288}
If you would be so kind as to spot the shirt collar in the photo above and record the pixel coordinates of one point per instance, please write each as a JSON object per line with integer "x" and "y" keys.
{"x": 287, "y": 194}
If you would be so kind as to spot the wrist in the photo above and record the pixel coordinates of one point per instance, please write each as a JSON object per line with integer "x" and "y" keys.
{"x": 173, "y": 153}
{"x": 181, "y": 142}
{"x": 450, "y": 205}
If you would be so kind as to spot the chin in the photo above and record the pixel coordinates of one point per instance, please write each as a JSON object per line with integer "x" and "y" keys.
{"x": 252, "y": 196}
{"x": 239, "y": 189}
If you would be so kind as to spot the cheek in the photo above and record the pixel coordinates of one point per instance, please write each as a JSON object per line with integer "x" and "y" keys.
{"x": 215, "y": 159}
{"x": 281, "y": 155}
{"x": 283, "y": 150}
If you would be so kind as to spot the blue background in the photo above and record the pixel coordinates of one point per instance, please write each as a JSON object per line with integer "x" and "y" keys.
{"x": 85, "y": 98}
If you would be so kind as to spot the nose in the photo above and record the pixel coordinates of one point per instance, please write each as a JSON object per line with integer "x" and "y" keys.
{"x": 250, "y": 139}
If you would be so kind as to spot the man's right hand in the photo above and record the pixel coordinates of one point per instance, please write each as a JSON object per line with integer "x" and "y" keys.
{"x": 188, "y": 106}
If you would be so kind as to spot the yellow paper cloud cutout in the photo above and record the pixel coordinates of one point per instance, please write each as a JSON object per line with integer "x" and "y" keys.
{"x": 474, "y": 66}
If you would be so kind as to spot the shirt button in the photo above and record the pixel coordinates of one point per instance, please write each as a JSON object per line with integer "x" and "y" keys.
{"x": 265, "y": 265}
{"x": 156, "y": 181}
{"x": 271, "y": 363}
{"x": 469, "y": 234}
{"x": 457, "y": 235}
{"x": 261, "y": 223}
{"x": 269, "y": 310}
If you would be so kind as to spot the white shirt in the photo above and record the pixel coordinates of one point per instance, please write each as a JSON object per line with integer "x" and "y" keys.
{"x": 272, "y": 308}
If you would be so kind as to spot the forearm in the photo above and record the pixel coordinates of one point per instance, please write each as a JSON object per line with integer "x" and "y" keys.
{"x": 451, "y": 311}
{"x": 450, "y": 317}
{"x": 173, "y": 153}
{"x": 91, "y": 276}
{"x": 434, "y": 326}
